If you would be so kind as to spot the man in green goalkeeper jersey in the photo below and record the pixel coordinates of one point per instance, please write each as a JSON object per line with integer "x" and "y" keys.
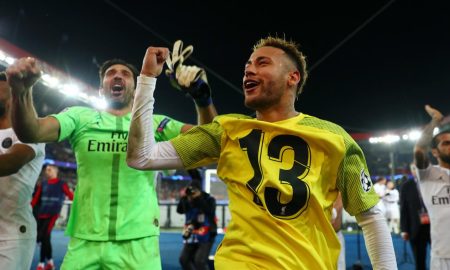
{"x": 114, "y": 220}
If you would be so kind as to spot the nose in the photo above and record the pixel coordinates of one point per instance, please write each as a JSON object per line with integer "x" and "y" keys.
{"x": 249, "y": 71}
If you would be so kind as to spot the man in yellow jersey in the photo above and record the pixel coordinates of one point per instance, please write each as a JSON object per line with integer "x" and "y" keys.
{"x": 114, "y": 219}
{"x": 283, "y": 169}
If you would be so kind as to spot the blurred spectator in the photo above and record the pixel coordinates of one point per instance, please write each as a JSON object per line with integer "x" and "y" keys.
{"x": 200, "y": 227}
{"x": 380, "y": 189}
{"x": 49, "y": 198}
{"x": 392, "y": 211}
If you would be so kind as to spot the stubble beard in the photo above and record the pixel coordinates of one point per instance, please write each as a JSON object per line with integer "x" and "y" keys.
{"x": 445, "y": 158}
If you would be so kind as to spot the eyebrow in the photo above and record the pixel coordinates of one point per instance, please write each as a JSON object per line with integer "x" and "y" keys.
{"x": 259, "y": 58}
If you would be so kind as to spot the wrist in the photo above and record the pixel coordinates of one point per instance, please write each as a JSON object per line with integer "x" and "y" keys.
{"x": 203, "y": 102}
{"x": 202, "y": 97}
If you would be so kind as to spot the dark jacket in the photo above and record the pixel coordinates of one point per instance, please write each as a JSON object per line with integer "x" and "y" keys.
{"x": 201, "y": 213}
{"x": 410, "y": 207}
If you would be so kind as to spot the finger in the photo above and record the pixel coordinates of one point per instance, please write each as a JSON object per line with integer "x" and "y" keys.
{"x": 192, "y": 73}
{"x": 177, "y": 48}
{"x": 161, "y": 54}
{"x": 183, "y": 79}
{"x": 187, "y": 52}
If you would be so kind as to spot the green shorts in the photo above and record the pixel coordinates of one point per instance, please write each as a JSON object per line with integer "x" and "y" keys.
{"x": 142, "y": 253}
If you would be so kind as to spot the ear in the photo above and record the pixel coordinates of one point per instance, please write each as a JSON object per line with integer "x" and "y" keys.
{"x": 435, "y": 152}
{"x": 293, "y": 78}
{"x": 101, "y": 92}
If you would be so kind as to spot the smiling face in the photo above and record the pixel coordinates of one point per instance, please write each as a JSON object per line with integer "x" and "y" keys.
{"x": 118, "y": 86}
{"x": 269, "y": 78}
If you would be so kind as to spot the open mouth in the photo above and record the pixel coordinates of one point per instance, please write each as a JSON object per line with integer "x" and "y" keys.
{"x": 117, "y": 89}
{"x": 250, "y": 85}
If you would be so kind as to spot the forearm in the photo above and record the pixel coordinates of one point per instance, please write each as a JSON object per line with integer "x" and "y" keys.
{"x": 206, "y": 114}
{"x": 423, "y": 145}
{"x": 143, "y": 152}
{"x": 378, "y": 239}
{"x": 8, "y": 165}
{"x": 24, "y": 117}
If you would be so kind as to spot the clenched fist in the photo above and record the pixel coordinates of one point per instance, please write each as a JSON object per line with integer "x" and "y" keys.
{"x": 23, "y": 74}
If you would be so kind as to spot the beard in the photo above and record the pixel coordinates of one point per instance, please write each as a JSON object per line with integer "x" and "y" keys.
{"x": 444, "y": 157}
{"x": 117, "y": 105}
{"x": 265, "y": 99}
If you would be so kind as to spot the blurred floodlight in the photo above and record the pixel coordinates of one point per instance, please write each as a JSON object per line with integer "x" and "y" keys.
{"x": 49, "y": 80}
{"x": 9, "y": 60}
{"x": 2, "y": 56}
{"x": 70, "y": 89}
{"x": 97, "y": 102}
{"x": 414, "y": 135}
{"x": 389, "y": 139}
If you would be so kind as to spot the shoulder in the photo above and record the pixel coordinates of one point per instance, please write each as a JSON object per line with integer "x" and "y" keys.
{"x": 328, "y": 127}
{"x": 322, "y": 124}
{"x": 75, "y": 112}
{"x": 75, "y": 109}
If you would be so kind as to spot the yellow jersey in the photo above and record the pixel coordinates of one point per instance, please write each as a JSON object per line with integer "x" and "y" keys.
{"x": 282, "y": 179}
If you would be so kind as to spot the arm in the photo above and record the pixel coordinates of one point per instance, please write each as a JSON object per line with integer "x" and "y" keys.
{"x": 205, "y": 115}
{"x": 12, "y": 161}
{"x": 423, "y": 144}
{"x": 22, "y": 75}
{"x": 183, "y": 205}
{"x": 378, "y": 239}
{"x": 67, "y": 191}
{"x": 143, "y": 152}
{"x": 337, "y": 221}
{"x": 37, "y": 196}
{"x": 192, "y": 81}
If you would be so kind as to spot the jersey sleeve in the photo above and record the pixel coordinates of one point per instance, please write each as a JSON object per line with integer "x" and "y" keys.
{"x": 200, "y": 145}
{"x": 68, "y": 119}
{"x": 166, "y": 128}
{"x": 358, "y": 194}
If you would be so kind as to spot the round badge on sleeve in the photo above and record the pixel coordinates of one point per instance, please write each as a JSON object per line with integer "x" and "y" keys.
{"x": 23, "y": 229}
{"x": 7, "y": 142}
{"x": 366, "y": 183}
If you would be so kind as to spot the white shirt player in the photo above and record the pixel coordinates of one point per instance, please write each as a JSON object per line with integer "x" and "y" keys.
{"x": 16, "y": 218}
{"x": 435, "y": 189}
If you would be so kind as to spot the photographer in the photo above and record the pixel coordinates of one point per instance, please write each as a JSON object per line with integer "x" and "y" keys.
{"x": 200, "y": 226}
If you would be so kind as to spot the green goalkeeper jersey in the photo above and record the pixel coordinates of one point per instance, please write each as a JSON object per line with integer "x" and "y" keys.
{"x": 112, "y": 201}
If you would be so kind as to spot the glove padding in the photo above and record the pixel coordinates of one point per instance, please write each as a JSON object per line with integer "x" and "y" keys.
{"x": 189, "y": 79}
{"x": 178, "y": 56}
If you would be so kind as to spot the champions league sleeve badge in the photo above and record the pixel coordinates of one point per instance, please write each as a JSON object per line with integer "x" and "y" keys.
{"x": 366, "y": 183}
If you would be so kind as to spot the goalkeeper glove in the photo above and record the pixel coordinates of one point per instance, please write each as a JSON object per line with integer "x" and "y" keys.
{"x": 189, "y": 79}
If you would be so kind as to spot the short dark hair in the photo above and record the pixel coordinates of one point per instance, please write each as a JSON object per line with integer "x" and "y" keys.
{"x": 445, "y": 128}
{"x": 292, "y": 50}
{"x": 108, "y": 63}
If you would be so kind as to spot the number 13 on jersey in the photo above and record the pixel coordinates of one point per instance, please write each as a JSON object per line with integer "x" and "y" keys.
{"x": 286, "y": 197}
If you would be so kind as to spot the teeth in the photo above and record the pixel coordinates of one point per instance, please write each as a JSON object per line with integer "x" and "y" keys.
{"x": 117, "y": 87}
{"x": 250, "y": 84}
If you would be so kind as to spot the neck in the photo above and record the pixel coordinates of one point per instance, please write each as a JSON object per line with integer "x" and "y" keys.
{"x": 276, "y": 114}
{"x": 119, "y": 112}
{"x": 444, "y": 164}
